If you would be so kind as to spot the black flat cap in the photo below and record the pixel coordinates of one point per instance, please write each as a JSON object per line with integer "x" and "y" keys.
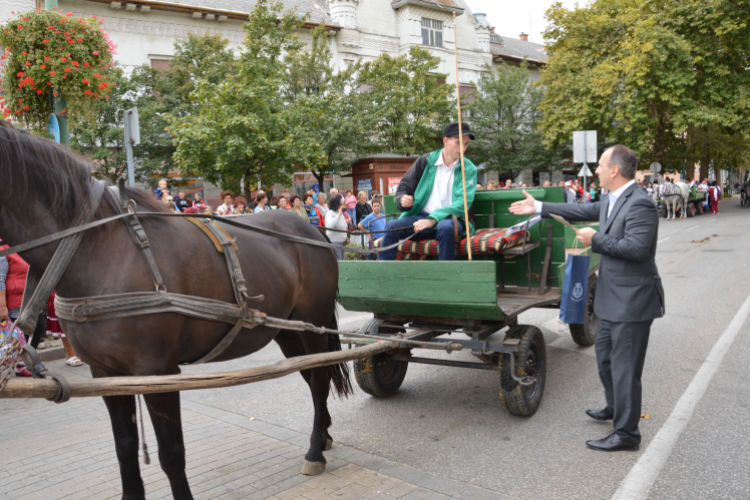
{"x": 451, "y": 130}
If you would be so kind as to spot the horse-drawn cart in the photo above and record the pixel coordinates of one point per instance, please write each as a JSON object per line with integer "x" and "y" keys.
{"x": 418, "y": 301}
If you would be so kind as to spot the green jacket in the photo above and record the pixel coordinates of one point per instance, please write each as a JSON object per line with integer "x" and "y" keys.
{"x": 422, "y": 174}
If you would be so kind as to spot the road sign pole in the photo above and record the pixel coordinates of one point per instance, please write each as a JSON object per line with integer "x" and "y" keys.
{"x": 131, "y": 168}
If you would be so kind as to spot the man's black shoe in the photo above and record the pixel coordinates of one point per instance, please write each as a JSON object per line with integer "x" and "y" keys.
{"x": 613, "y": 442}
{"x": 600, "y": 415}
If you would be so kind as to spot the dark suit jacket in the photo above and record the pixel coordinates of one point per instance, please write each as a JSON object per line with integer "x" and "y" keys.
{"x": 629, "y": 288}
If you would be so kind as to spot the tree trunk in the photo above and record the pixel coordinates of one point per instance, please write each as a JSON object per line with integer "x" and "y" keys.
{"x": 690, "y": 160}
{"x": 320, "y": 176}
{"x": 248, "y": 187}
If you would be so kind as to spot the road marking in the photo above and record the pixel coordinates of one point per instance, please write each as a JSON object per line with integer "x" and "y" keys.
{"x": 642, "y": 476}
{"x": 663, "y": 239}
{"x": 691, "y": 228}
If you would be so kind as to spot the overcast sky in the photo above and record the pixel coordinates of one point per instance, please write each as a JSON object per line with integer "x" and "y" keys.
{"x": 511, "y": 17}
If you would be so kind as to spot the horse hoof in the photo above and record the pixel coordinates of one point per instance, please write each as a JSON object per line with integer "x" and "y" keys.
{"x": 329, "y": 444}
{"x": 313, "y": 468}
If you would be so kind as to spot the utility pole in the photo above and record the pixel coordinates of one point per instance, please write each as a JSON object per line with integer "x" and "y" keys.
{"x": 58, "y": 103}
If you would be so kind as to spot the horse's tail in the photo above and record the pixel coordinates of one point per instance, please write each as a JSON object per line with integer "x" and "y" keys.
{"x": 342, "y": 383}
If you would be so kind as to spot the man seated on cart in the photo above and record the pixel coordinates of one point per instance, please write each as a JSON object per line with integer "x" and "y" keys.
{"x": 431, "y": 193}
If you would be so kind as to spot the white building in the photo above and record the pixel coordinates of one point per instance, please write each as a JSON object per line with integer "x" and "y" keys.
{"x": 145, "y": 30}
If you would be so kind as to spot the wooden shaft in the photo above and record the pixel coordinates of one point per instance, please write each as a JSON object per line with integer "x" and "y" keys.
{"x": 461, "y": 143}
{"x": 128, "y": 386}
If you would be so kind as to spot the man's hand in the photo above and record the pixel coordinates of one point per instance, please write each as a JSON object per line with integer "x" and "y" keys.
{"x": 423, "y": 224}
{"x": 407, "y": 201}
{"x": 524, "y": 207}
{"x": 586, "y": 234}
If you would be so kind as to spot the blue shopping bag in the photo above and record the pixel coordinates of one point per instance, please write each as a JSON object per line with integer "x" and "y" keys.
{"x": 575, "y": 290}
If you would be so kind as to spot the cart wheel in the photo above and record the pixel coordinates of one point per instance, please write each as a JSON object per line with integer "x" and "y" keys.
{"x": 585, "y": 334}
{"x": 664, "y": 212}
{"x": 379, "y": 376}
{"x": 690, "y": 210}
{"x": 699, "y": 208}
{"x": 531, "y": 360}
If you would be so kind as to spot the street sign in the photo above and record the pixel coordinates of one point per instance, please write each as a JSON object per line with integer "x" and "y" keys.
{"x": 132, "y": 128}
{"x": 584, "y": 146}
{"x": 585, "y": 172}
{"x": 54, "y": 128}
{"x": 655, "y": 167}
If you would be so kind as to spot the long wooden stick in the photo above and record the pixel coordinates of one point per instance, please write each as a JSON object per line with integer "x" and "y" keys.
{"x": 461, "y": 142}
{"x": 128, "y": 386}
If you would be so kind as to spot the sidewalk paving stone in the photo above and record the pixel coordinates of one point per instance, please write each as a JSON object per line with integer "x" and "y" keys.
{"x": 229, "y": 456}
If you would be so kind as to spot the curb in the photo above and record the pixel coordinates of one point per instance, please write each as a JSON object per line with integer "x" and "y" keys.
{"x": 52, "y": 354}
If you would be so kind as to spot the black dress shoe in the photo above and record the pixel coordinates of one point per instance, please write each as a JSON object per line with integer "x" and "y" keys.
{"x": 613, "y": 442}
{"x": 600, "y": 415}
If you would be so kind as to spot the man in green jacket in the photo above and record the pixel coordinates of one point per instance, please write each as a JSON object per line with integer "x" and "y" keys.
{"x": 430, "y": 193}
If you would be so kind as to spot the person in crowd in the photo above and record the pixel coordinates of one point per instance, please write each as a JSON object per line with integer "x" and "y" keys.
{"x": 373, "y": 195}
{"x": 629, "y": 299}
{"x": 316, "y": 216}
{"x": 227, "y": 207}
{"x": 54, "y": 329}
{"x": 479, "y": 187}
{"x": 181, "y": 202}
{"x": 351, "y": 204}
{"x": 321, "y": 204}
{"x": 161, "y": 188}
{"x": 165, "y": 197}
{"x": 374, "y": 223}
{"x": 592, "y": 193}
{"x": 523, "y": 185}
{"x": 431, "y": 193}
{"x": 335, "y": 220}
{"x": 285, "y": 192}
{"x": 362, "y": 208}
{"x": 514, "y": 186}
{"x": 490, "y": 186}
{"x": 261, "y": 203}
{"x": 333, "y": 192}
{"x": 570, "y": 193}
{"x": 198, "y": 201}
{"x": 547, "y": 184}
{"x": 254, "y": 202}
{"x": 171, "y": 207}
{"x": 239, "y": 208}
{"x": 274, "y": 203}
{"x": 283, "y": 203}
{"x": 650, "y": 189}
{"x": 297, "y": 207}
{"x": 508, "y": 184}
{"x": 208, "y": 210}
{"x": 714, "y": 194}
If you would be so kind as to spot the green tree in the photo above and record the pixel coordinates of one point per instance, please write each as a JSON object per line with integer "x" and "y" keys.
{"x": 411, "y": 103}
{"x": 240, "y": 132}
{"x": 328, "y": 111}
{"x": 505, "y": 120}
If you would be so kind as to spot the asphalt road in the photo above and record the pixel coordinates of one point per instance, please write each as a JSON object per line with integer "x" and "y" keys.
{"x": 448, "y": 421}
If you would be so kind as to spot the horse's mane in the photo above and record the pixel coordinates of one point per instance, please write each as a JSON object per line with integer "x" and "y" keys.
{"x": 33, "y": 167}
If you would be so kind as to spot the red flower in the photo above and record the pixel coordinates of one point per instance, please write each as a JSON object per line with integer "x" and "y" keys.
{"x": 87, "y": 92}
{"x": 49, "y": 83}
{"x": 96, "y": 75}
{"x": 67, "y": 70}
{"x": 20, "y": 101}
{"x": 71, "y": 42}
{"x": 85, "y": 82}
{"x": 46, "y": 58}
{"x": 63, "y": 111}
{"x": 18, "y": 112}
{"x": 67, "y": 35}
{"x": 25, "y": 53}
{"x": 52, "y": 73}
{"x": 39, "y": 91}
{"x": 19, "y": 75}
{"x": 43, "y": 66}
{"x": 28, "y": 63}
{"x": 50, "y": 27}
{"x": 20, "y": 27}
{"x": 85, "y": 65}
{"x": 63, "y": 59}
{"x": 54, "y": 93}
{"x": 25, "y": 108}
{"x": 74, "y": 63}
{"x": 45, "y": 41}
{"x": 25, "y": 18}
{"x": 80, "y": 39}
{"x": 69, "y": 14}
{"x": 65, "y": 77}
{"x": 103, "y": 86}
{"x": 72, "y": 31}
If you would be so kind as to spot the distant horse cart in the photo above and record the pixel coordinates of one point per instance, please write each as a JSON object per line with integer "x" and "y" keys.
{"x": 678, "y": 197}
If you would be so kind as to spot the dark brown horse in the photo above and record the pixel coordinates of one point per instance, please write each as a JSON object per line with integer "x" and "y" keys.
{"x": 43, "y": 187}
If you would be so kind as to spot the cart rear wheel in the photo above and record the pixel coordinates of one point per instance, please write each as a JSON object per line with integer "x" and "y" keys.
{"x": 690, "y": 210}
{"x": 531, "y": 360}
{"x": 378, "y": 376}
{"x": 585, "y": 334}
{"x": 699, "y": 208}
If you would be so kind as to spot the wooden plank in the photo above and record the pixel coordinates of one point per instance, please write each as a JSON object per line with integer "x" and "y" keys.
{"x": 127, "y": 386}
{"x": 412, "y": 308}
{"x": 458, "y": 282}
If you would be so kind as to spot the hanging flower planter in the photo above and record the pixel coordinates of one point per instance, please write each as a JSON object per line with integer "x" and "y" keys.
{"x": 50, "y": 54}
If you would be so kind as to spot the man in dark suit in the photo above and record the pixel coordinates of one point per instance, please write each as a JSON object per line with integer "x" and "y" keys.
{"x": 629, "y": 294}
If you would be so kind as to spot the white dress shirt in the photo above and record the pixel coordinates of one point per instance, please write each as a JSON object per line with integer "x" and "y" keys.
{"x": 612, "y": 198}
{"x": 442, "y": 188}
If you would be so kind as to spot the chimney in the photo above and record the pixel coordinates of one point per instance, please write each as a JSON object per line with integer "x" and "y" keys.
{"x": 524, "y": 37}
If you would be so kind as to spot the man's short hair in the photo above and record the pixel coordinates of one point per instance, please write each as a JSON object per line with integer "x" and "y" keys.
{"x": 625, "y": 158}
{"x": 377, "y": 200}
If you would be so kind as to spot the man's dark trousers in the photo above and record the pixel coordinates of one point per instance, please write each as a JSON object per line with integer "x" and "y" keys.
{"x": 623, "y": 346}
{"x": 443, "y": 233}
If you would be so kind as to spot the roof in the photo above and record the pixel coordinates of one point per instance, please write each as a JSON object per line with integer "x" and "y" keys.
{"x": 450, "y": 5}
{"x": 514, "y": 49}
{"x": 315, "y": 10}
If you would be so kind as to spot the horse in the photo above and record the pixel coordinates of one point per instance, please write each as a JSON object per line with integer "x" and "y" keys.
{"x": 43, "y": 186}
{"x": 674, "y": 194}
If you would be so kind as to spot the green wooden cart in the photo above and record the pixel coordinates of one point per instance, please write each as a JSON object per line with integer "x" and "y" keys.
{"x": 419, "y": 301}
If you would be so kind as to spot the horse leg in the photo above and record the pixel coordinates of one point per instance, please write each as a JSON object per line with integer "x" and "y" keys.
{"x": 165, "y": 416}
{"x": 318, "y": 379}
{"x": 122, "y": 414}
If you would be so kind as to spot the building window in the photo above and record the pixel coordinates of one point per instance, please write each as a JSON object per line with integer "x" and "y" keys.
{"x": 432, "y": 32}
{"x": 160, "y": 63}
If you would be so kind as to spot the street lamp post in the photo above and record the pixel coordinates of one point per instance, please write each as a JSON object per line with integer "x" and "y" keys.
{"x": 58, "y": 103}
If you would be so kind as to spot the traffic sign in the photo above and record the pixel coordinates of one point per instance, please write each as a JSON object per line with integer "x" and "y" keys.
{"x": 132, "y": 129}
{"x": 584, "y": 146}
{"x": 655, "y": 167}
{"x": 585, "y": 172}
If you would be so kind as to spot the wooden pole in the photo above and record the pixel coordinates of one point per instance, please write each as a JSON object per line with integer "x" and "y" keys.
{"x": 128, "y": 386}
{"x": 461, "y": 142}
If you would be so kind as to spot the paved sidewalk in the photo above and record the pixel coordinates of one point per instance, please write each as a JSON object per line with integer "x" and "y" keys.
{"x": 54, "y": 451}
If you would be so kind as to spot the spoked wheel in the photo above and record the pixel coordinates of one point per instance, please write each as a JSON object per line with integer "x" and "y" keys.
{"x": 690, "y": 210}
{"x": 530, "y": 361}
{"x": 585, "y": 334}
{"x": 377, "y": 375}
{"x": 699, "y": 208}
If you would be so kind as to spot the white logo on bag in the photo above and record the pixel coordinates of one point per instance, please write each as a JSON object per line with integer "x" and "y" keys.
{"x": 577, "y": 292}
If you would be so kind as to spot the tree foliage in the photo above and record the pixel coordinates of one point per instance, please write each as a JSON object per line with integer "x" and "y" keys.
{"x": 505, "y": 119}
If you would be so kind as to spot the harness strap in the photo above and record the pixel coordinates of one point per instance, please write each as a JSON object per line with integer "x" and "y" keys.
{"x": 57, "y": 266}
{"x": 31, "y": 357}
{"x": 138, "y": 234}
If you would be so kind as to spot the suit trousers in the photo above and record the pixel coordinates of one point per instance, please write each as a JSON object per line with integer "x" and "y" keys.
{"x": 620, "y": 354}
